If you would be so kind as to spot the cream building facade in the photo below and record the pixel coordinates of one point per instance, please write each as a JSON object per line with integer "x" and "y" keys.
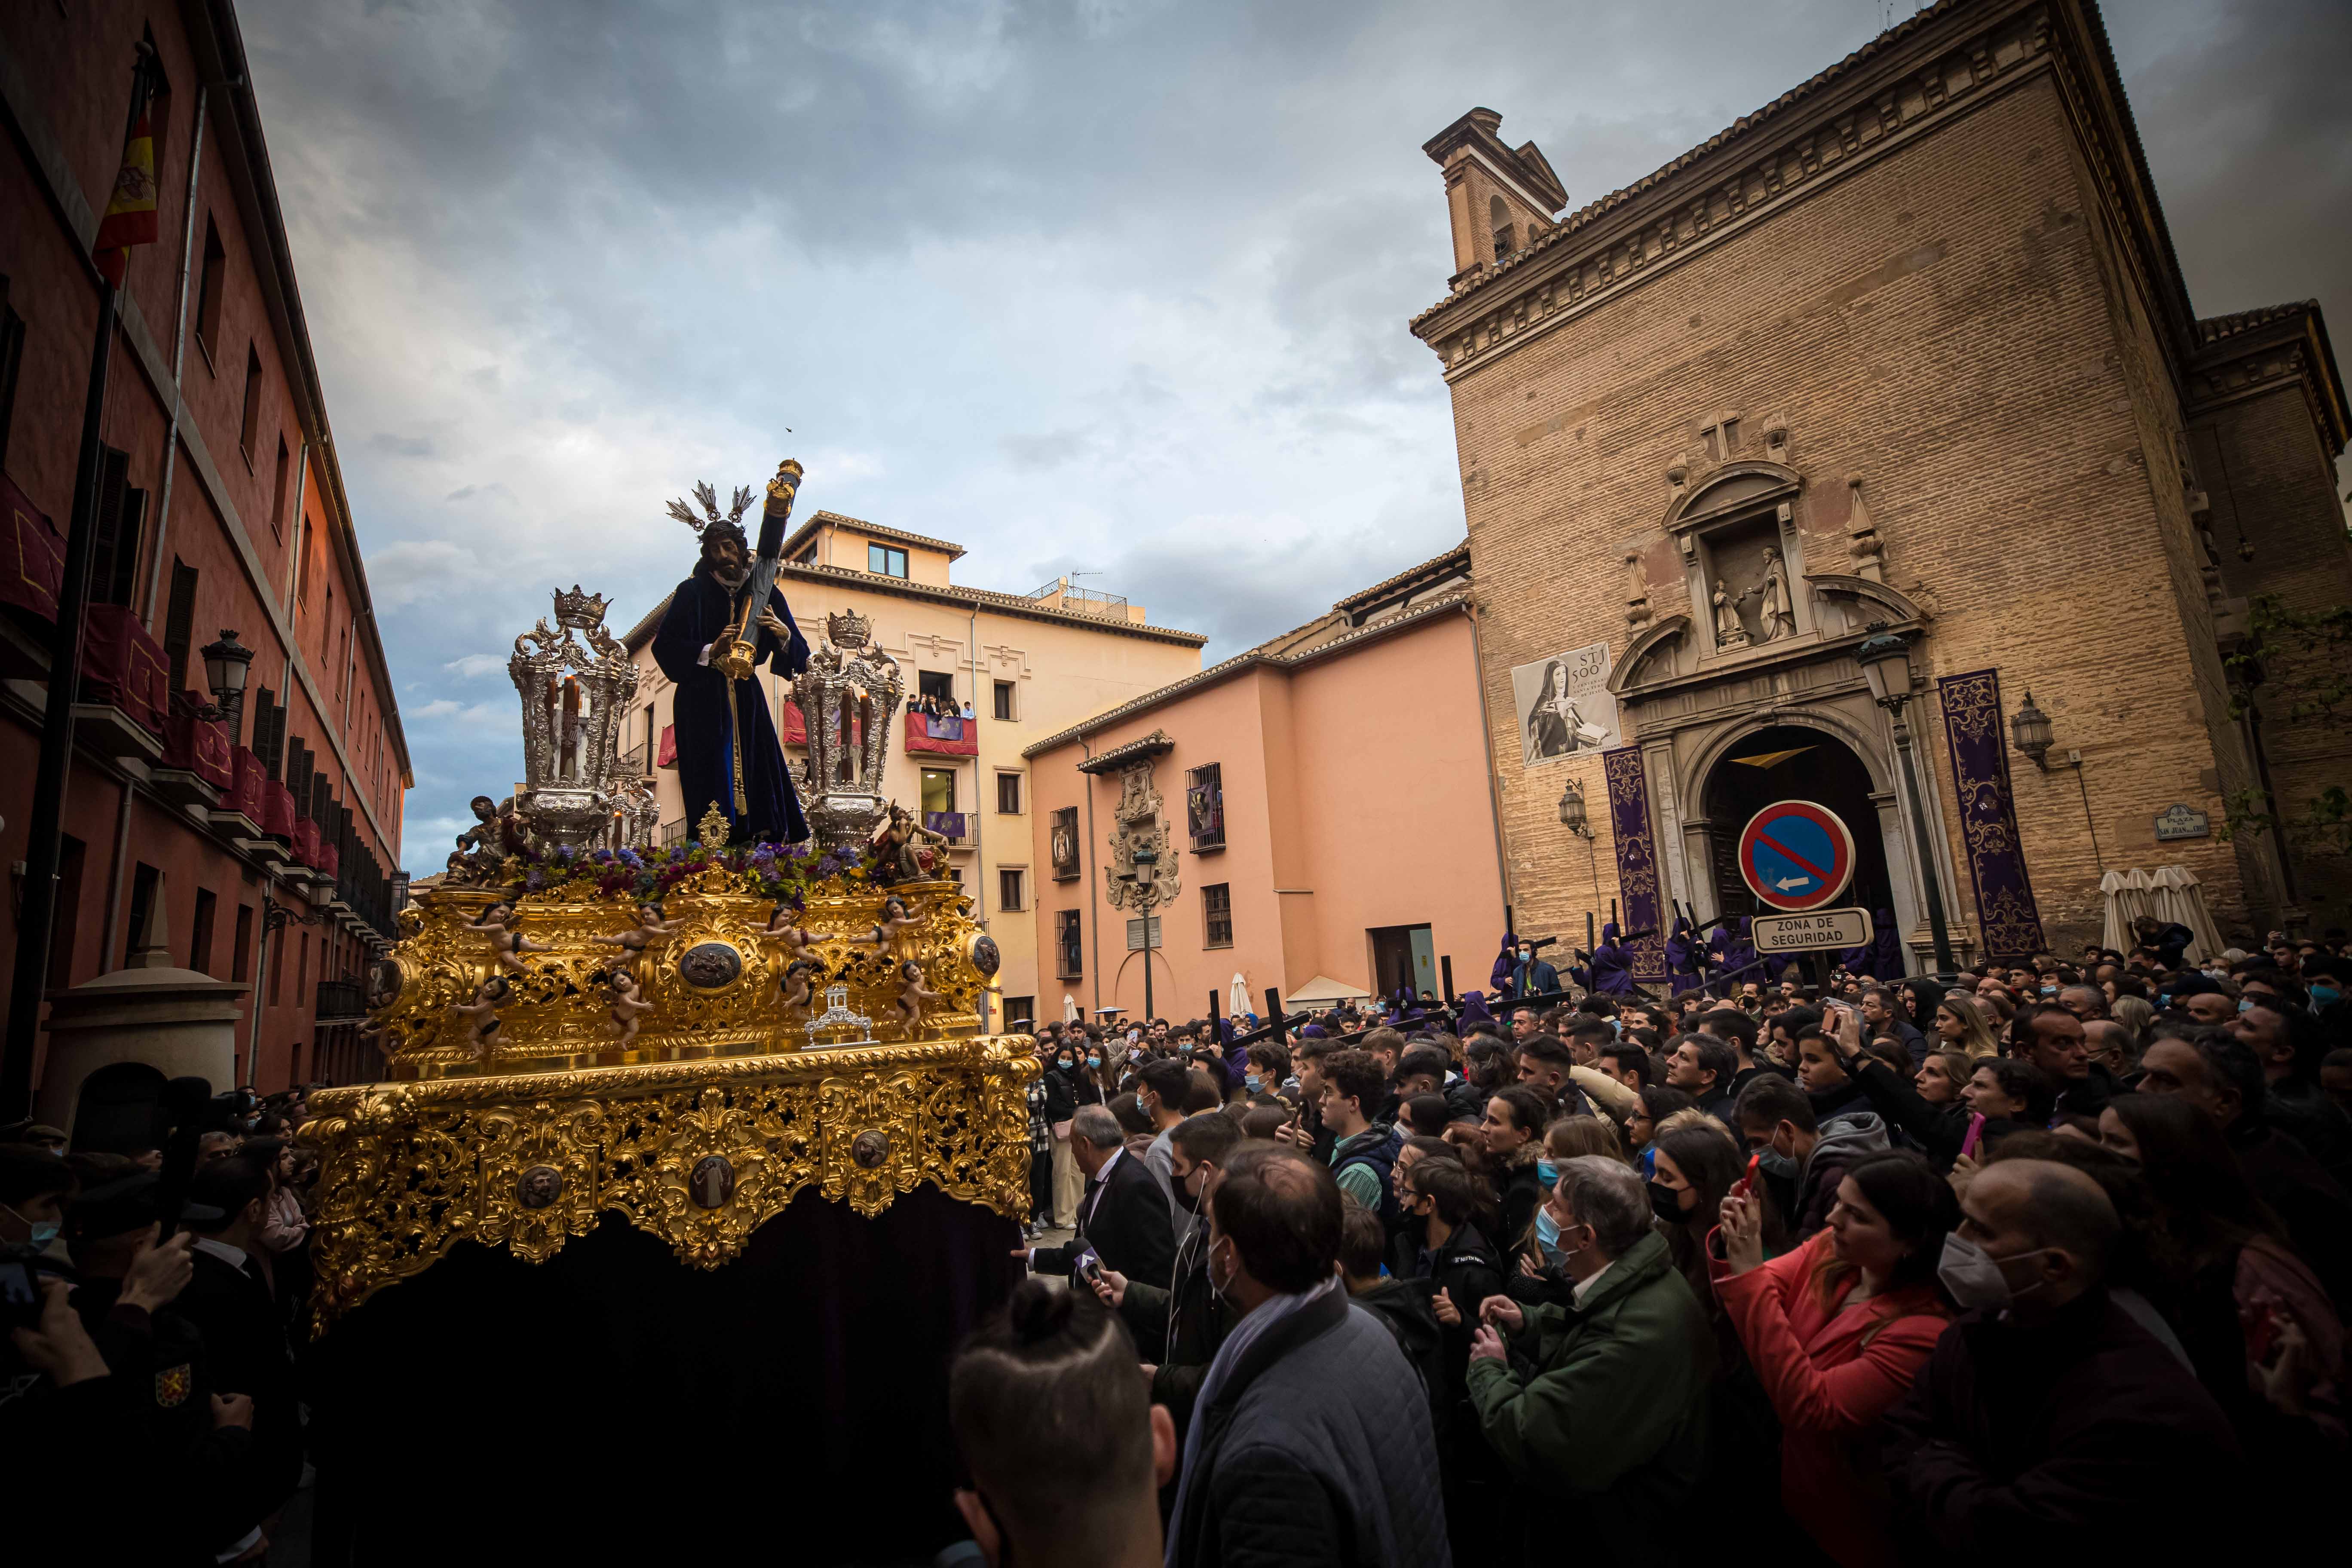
{"x": 1014, "y": 667}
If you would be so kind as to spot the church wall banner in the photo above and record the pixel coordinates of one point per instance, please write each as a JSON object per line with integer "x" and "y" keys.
{"x": 1563, "y": 705}
{"x": 1977, "y": 738}
{"x": 1637, "y": 858}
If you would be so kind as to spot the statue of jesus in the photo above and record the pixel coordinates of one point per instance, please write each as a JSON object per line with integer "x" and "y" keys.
{"x": 728, "y": 753}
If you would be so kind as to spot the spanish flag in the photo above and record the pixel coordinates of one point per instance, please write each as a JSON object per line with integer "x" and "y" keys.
{"x": 131, "y": 214}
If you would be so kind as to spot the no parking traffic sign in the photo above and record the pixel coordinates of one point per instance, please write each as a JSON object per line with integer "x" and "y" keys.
{"x": 1796, "y": 855}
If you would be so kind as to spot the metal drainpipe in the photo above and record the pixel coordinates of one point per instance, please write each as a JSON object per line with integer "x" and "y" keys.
{"x": 260, "y": 976}
{"x": 1086, "y": 895}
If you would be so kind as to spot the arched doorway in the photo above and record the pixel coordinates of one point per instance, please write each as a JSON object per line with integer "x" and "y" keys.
{"x": 1794, "y": 761}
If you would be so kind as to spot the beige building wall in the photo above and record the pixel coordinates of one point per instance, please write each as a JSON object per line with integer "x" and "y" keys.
{"x": 1059, "y": 666}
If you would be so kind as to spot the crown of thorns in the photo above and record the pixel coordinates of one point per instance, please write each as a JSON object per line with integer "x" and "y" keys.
{"x": 711, "y": 518}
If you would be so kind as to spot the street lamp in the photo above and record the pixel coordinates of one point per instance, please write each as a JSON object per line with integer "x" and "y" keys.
{"x": 1885, "y": 660}
{"x": 1572, "y": 817}
{"x": 1146, "y": 859}
{"x": 227, "y": 664}
{"x": 2029, "y": 731}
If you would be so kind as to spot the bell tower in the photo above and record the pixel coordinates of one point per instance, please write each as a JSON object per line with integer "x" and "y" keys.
{"x": 1498, "y": 197}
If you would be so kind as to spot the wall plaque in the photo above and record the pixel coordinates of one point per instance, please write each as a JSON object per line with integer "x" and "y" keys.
{"x": 2177, "y": 821}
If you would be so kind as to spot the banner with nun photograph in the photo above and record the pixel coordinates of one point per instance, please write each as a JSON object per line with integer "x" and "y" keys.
{"x": 1563, "y": 705}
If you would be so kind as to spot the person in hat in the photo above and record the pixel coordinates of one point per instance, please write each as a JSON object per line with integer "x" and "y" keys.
{"x": 200, "y": 1436}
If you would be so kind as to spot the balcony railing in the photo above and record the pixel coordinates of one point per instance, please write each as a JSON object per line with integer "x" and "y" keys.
{"x": 673, "y": 833}
{"x": 954, "y": 826}
{"x": 340, "y": 1001}
{"x": 1058, "y": 595}
{"x": 634, "y": 764}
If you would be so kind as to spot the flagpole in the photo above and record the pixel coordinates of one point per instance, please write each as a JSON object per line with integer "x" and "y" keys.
{"x": 35, "y": 925}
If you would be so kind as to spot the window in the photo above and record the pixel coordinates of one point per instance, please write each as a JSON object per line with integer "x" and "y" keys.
{"x": 208, "y": 295}
{"x": 302, "y": 980}
{"x": 1008, "y": 795}
{"x": 180, "y": 623}
{"x": 1204, "y": 806}
{"x": 939, "y": 687}
{"x": 143, "y": 878}
{"x": 1069, "y": 945}
{"x": 1010, "y": 880}
{"x": 121, "y": 519}
{"x": 200, "y": 932}
{"x": 1217, "y": 912}
{"x": 939, "y": 814}
{"x": 885, "y": 562}
{"x": 1020, "y": 1010}
{"x": 252, "y": 425}
{"x": 278, "y": 505}
{"x": 1065, "y": 844}
{"x": 241, "y": 954}
{"x": 1004, "y": 708}
{"x": 12, "y": 357}
{"x": 1499, "y": 216}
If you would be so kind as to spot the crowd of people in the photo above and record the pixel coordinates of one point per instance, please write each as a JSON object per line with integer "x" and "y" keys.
{"x": 152, "y": 1404}
{"x": 2049, "y": 1262}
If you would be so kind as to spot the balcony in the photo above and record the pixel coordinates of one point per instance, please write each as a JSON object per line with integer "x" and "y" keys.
{"x": 1058, "y": 595}
{"x": 342, "y": 1002}
{"x": 673, "y": 833}
{"x": 955, "y": 827}
{"x": 942, "y": 735}
{"x": 635, "y": 764}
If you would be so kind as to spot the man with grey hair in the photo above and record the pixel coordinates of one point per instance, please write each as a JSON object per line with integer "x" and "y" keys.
{"x": 2086, "y": 1001}
{"x": 2047, "y": 1417}
{"x": 1604, "y": 1400}
{"x": 1123, "y": 1214}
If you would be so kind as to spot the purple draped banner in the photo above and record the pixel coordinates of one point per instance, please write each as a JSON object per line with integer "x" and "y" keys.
{"x": 1637, "y": 861}
{"x": 2012, "y": 921}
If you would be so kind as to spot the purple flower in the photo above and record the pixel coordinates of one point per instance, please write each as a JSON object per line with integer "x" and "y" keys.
{"x": 534, "y": 879}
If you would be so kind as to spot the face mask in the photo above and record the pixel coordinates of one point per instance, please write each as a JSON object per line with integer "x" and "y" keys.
{"x": 1772, "y": 1163}
{"x": 1219, "y": 1285}
{"x": 1665, "y": 1202}
{"x": 2324, "y": 995}
{"x": 1526, "y": 953}
{"x": 43, "y": 1233}
{"x": 2245, "y": 1004}
{"x": 1186, "y": 1047}
{"x": 1546, "y": 1172}
{"x": 1975, "y": 1278}
{"x": 1066, "y": 1064}
{"x": 1185, "y": 1199}
{"x": 1251, "y": 1082}
{"x": 1548, "y": 1232}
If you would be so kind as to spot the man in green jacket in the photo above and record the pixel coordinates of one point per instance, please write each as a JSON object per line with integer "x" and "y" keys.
{"x": 1602, "y": 1404}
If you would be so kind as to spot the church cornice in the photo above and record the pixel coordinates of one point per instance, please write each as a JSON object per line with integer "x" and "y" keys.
{"x": 1940, "y": 65}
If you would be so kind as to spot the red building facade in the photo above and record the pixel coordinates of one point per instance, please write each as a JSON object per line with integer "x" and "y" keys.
{"x": 269, "y": 840}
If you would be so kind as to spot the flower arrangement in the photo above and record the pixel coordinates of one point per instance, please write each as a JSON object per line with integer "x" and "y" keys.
{"x": 782, "y": 872}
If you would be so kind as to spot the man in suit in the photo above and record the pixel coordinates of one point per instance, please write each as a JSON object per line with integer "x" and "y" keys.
{"x": 231, "y": 1303}
{"x": 1123, "y": 1214}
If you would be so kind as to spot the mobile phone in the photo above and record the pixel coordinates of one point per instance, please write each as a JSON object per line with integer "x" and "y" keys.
{"x": 1975, "y": 1133}
{"x": 1747, "y": 1182}
{"x": 2261, "y": 1334}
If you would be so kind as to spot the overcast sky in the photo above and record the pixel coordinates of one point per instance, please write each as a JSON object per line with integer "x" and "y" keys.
{"x": 1113, "y": 286}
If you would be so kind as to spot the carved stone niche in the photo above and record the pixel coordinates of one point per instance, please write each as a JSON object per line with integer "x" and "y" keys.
{"x": 1742, "y": 558}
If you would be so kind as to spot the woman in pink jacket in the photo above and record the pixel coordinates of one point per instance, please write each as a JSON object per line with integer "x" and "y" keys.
{"x": 1837, "y": 1331}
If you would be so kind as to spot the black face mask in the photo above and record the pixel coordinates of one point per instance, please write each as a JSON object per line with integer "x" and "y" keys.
{"x": 1182, "y": 1193}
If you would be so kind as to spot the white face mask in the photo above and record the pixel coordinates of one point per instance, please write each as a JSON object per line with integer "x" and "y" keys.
{"x": 1976, "y": 1278}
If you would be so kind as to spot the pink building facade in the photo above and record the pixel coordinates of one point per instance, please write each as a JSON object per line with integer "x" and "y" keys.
{"x": 1321, "y": 804}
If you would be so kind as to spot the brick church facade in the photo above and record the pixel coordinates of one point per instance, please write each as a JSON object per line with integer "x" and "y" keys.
{"x": 1907, "y": 350}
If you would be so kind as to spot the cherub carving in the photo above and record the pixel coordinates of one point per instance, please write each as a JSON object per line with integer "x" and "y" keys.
{"x": 913, "y": 995}
{"x": 480, "y": 1015}
{"x": 785, "y": 922}
{"x": 507, "y": 945}
{"x": 896, "y": 918}
{"x": 799, "y": 985}
{"x": 634, "y": 942}
{"x": 629, "y": 1004}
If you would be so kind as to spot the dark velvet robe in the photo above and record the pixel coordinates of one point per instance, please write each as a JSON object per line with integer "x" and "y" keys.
{"x": 701, "y": 611}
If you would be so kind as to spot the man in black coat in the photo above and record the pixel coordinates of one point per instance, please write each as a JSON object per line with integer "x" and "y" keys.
{"x": 2047, "y": 1417}
{"x": 230, "y": 1302}
{"x": 727, "y": 754}
{"x": 1180, "y": 1329}
{"x": 1122, "y": 1216}
{"x": 1310, "y": 1443}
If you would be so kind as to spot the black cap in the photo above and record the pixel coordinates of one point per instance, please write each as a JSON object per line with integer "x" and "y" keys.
{"x": 128, "y": 1202}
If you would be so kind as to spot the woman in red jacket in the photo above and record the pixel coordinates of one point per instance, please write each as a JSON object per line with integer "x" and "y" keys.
{"x": 1837, "y": 1331}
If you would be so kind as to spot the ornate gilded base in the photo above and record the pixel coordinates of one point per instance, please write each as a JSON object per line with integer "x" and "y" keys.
{"x": 461, "y": 995}
{"x": 699, "y": 1152}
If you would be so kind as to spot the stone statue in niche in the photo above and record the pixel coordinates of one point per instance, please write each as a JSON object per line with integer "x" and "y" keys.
{"x": 1729, "y": 634}
{"x": 1778, "y": 610}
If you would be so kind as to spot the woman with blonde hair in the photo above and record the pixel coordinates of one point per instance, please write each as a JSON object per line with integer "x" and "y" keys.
{"x": 1960, "y": 1025}
{"x": 1570, "y": 1136}
{"x": 2135, "y": 1013}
